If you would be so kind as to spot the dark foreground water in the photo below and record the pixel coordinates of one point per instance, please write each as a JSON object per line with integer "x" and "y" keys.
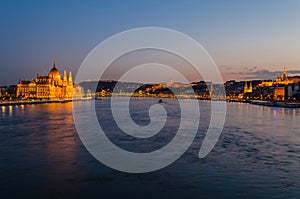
{"x": 258, "y": 155}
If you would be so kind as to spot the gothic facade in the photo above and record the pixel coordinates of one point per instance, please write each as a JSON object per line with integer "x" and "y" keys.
{"x": 47, "y": 87}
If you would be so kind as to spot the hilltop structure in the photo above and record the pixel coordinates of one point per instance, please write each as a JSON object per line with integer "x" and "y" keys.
{"x": 283, "y": 88}
{"x": 284, "y": 79}
{"x": 51, "y": 86}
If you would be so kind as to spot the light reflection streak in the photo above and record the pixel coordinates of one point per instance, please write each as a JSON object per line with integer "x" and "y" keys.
{"x": 3, "y": 110}
{"x": 22, "y": 108}
{"x": 10, "y": 108}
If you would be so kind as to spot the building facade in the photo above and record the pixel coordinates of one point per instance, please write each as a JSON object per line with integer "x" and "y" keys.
{"x": 47, "y": 87}
{"x": 283, "y": 80}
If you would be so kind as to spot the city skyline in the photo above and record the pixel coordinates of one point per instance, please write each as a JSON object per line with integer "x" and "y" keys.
{"x": 178, "y": 79}
{"x": 247, "y": 40}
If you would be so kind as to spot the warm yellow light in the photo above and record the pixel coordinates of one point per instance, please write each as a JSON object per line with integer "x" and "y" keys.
{"x": 10, "y": 108}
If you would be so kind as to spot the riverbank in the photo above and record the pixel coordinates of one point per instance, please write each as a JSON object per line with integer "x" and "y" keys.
{"x": 23, "y": 102}
{"x": 276, "y": 104}
{"x": 268, "y": 103}
{"x": 43, "y": 101}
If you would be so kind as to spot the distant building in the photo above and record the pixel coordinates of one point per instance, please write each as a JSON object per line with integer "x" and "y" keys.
{"x": 248, "y": 88}
{"x": 47, "y": 87}
{"x": 233, "y": 88}
{"x": 2, "y": 91}
{"x": 279, "y": 93}
{"x": 284, "y": 79}
{"x": 292, "y": 92}
{"x": 283, "y": 88}
{"x": 8, "y": 93}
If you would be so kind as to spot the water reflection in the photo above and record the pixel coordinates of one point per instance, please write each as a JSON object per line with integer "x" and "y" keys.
{"x": 60, "y": 145}
{"x": 22, "y": 107}
{"x": 3, "y": 110}
{"x": 10, "y": 110}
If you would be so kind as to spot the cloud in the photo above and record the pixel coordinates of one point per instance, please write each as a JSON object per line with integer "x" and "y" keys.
{"x": 251, "y": 73}
{"x": 254, "y": 73}
{"x": 266, "y": 74}
{"x": 227, "y": 67}
{"x": 294, "y": 72}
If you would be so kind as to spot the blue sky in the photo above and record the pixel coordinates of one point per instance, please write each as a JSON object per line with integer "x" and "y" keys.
{"x": 241, "y": 36}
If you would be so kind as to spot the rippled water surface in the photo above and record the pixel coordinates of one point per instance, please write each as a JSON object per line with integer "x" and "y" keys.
{"x": 258, "y": 155}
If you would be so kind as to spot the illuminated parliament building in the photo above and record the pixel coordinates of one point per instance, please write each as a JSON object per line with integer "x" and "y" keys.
{"x": 47, "y": 87}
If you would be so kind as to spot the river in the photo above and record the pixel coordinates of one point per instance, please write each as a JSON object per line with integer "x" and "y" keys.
{"x": 257, "y": 155}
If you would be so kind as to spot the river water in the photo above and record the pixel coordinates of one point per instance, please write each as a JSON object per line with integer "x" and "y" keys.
{"x": 257, "y": 155}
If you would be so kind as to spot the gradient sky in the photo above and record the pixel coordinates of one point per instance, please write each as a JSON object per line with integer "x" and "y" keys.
{"x": 246, "y": 39}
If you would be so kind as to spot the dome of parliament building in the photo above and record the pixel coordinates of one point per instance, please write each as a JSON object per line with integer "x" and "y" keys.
{"x": 54, "y": 73}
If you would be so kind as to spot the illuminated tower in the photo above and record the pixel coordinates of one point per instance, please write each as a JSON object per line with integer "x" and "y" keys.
{"x": 284, "y": 75}
{"x": 70, "y": 78}
{"x": 245, "y": 87}
{"x": 248, "y": 89}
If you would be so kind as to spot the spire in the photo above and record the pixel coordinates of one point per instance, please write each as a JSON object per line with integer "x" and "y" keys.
{"x": 248, "y": 88}
{"x": 70, "y": 77}
{"x": 54, "y": 65}
{"x": 284, "y": 76}
{"x": 65, "y": 75}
